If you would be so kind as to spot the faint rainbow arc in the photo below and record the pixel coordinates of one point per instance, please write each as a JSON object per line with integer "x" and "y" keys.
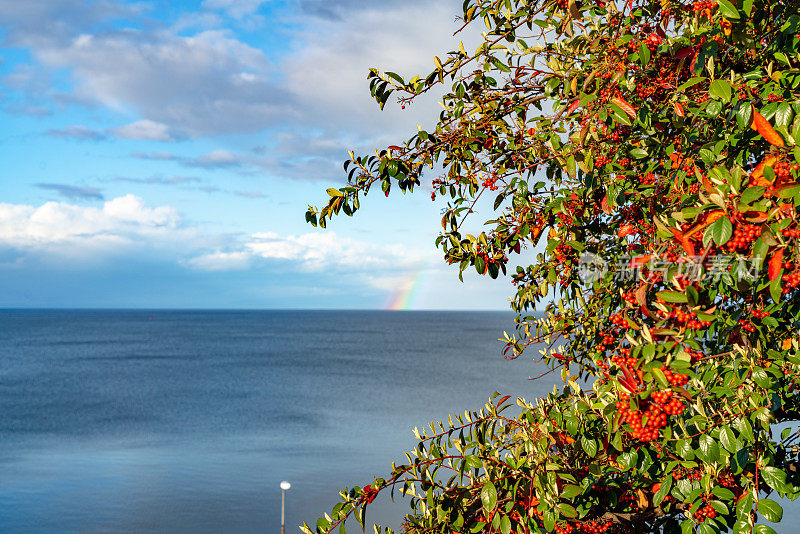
{"x": 409, "y": 290}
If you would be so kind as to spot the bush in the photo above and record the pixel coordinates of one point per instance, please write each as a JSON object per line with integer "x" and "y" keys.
{"x": 660, "y": 199}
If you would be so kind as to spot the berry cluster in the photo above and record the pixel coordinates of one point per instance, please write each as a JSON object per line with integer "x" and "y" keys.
{"x": 747, "y": 326}
{"x": 490, "y": 182}
{"x": 675, "y": 379}
{"x": 590, "y": 527}
{"x": 618, "y": 319}
{"x": 743, "y": 237}
{"x": 775, "y": 98}
{"x": 784, "y": 170}
{"x": 601, "y": 161}
{"x": 791, "y": 232}
{"x": 564, "y": 253}
{"x": 790, "y": 281}
{"x": 703, "y": 5}
{"x": 645, "y": 424}
{"x": 687, "y": 318}
{"x": 624, "y": 360}
{"x": 705, "y": 512}
{"x": 694, "y": 355}
{"x": 759, "y": 314}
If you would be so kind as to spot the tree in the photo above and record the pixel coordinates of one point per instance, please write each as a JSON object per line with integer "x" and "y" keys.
{"x": 670, "y": 160}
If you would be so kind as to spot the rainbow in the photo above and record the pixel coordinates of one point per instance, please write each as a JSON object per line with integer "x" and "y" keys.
{"x": 407, "y": 294}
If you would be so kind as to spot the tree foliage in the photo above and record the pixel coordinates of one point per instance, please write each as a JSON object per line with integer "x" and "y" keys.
{"x": 658, "y": 140}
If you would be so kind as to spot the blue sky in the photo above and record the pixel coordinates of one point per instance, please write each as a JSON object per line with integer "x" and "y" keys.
{"x": 162, "y": 154}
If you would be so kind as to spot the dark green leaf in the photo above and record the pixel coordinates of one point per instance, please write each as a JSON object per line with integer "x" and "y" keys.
{"x": 771, "y": 510}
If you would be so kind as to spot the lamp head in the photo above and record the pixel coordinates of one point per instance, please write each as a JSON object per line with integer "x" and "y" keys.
{"x": 285, "y": 485}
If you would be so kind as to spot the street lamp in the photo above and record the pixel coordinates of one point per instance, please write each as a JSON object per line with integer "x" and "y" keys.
{"x": 284, "y": 486}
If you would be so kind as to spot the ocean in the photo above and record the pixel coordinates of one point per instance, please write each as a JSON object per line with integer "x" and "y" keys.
{"x": 187, "y": 421}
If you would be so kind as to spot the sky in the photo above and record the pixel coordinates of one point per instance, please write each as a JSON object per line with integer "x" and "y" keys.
{"x": 163, "y": 154}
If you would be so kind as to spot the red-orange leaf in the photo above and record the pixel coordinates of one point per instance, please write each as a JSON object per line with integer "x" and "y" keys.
{"x": 762, "y": 126}
{"x": 757, "y": 176}
{"x": 626, "y": 229}
{"x": 604, "y": 205}
{"x": 678, "y": 109}
{"x": 572, "y": 107}
{"x": 624, "y": 106}
{"x": 687, "y": 245}
{"x": 640, "y": 260}
{"x": 775, "y": 265}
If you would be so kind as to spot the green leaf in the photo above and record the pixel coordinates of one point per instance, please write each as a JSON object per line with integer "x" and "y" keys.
{"x": 761, "y": 378}
{"x": 549, "y": 520}
{"x": 619, "y": 115}
{"x": 663, "y": 491}
{"x": 570, "y": 491}
{"x": 771, "y": 510}
{"x": 723, "y": 493}
{"x": 567, "y": 510}
{"x": 505, "y": 525}
{"x": 672, "y": 296}
{"x": 691, "y": 82}
{"x": 751, "y": 194}
{"x": 774, "y": 477}
{"x": 644, "y": 54}
{"x": 728, "y": 439}
{"x": 489, "y": 496}
{"x": 728, "y": 9}
{"x": 589, "y": 446}
{"x": 783, "y": 115}
{"x": 744, "y": 116}
{"x": 721, "y": 90}
{"x": 480, "y": 264}
{"x": 709, "y": 450}
{"x": 721, "y": 230}
{"x": 764, "y": 529}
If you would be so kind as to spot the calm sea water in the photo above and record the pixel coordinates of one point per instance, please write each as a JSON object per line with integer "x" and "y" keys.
{"x": 186, "y": 422}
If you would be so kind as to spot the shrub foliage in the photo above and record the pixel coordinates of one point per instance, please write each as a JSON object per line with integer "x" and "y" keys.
{"x": 642, "y": 156}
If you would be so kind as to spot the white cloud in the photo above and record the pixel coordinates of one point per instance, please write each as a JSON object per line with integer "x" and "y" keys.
{"x": 315, "y": 252}
{"x": 145, "y": 129}
{"x": 73, "y": 230}
{"x": 196, "y": 85}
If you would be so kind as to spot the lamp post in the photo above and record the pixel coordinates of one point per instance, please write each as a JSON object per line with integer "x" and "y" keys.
{"x": 284, "y": 486}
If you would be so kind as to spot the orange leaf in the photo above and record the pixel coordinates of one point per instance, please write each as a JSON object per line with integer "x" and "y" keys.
{"x": 787, "y": 344}
{"x": 604, "y": 205}
{"x": 755, "y": 216}
{"x": 775, "y": 265}
{"x": 678, "y": 109}
{"x": 626, "y": 229}
{"x": 676, "y": 160}
{"x": 640, "y": 260}
{"x": 687, "y": 245}
{"x": 726, "y": 26}
{"x": 762, "y": 126}
{"x": 572, "y": 107}
{"x": 627, "y": 108}
{"x": 757, "y": 176}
